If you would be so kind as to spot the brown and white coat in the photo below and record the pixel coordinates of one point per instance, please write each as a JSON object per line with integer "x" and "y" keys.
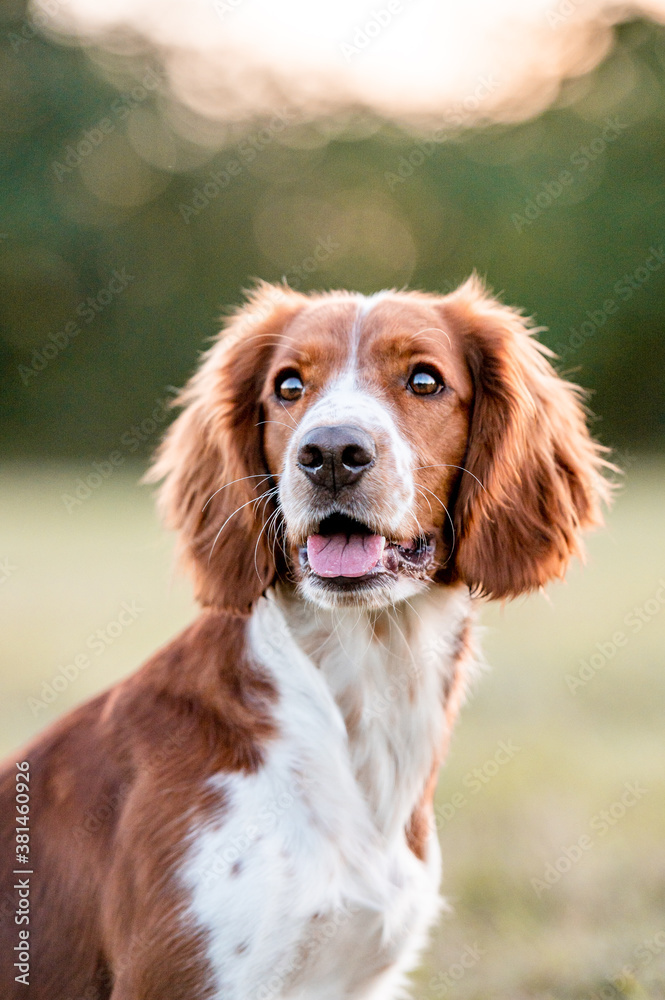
{"x": 348, "y": 476}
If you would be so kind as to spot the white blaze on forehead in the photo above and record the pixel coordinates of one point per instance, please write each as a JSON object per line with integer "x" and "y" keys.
{"x": 347, "y": 399}
{"x": 367, "y": 302}
{"x": 365, "y": 305}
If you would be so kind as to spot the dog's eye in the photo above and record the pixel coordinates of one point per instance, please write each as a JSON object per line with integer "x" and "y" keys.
{"x": 425, "y": 382}
{"x": 289, "y": 386}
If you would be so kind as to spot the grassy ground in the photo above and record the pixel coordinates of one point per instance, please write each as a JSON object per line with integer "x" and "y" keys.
{"x": 551, "y": 809}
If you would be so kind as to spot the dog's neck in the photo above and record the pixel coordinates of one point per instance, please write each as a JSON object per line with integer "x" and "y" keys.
{"x": 390, "y": 672}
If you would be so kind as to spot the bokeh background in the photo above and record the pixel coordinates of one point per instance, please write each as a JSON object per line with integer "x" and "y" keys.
{"x": 158, "y": 158}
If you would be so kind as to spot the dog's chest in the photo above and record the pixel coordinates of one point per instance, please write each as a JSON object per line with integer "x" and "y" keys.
{"x": 304, "y": 882}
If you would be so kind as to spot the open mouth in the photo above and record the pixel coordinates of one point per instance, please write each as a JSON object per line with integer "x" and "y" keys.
{"x": 347, "y": 552}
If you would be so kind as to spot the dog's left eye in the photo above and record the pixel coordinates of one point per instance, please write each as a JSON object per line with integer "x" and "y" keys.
{"x": 289, "y": 386}
{"x": 425, "y": 382}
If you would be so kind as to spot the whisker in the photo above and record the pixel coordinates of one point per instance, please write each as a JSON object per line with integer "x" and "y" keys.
{"x": 375, "y": 638}
{"x": 290, "y": 415}
{"x": 268, "y": 496}
{"x": 423, "y": 534}
{"x": 452, "y": 548}
{"x": 407, "y": 601}
{"x": 253, "y": 500}
{"x": 447, "y": 465}
{"x": 241, "y": 480}
{"x": 330, "y": 635}
{"x": 424, "y": 498}
{"x": 279, "y": 538}
{"x": 436, "y": 329}
{"x": 416, "y": 668}
{"x": 273, "y": 526}
{"x": 244, "y": 326}
{"x": 256, "y": 547}
{"x": 272, "y": 422}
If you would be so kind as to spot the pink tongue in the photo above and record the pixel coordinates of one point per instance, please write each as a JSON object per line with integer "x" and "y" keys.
{"x": 339, "y": 555}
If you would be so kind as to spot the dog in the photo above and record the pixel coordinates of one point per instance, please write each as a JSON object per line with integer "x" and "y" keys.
{"x": 250, "y": 815}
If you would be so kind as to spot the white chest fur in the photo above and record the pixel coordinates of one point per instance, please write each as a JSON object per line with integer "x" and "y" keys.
{"x": 304, "y": 882}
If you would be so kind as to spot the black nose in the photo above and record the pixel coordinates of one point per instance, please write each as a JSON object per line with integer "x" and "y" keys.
{"x": 336, "y": 456}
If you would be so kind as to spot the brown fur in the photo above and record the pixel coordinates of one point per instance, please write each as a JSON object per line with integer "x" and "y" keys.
{"x": 115, "y": 784}
{"x": 213, "y": 447}
{"x": 103, "y": 909}
{"x": 535, "y": 475}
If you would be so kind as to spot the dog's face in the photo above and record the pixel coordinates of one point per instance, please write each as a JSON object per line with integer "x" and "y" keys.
{"x": 366, "y": 448}
{"x": 367, "y": 405}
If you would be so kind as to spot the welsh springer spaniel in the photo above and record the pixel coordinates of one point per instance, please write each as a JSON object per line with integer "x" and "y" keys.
{"x": 249, "y": 816}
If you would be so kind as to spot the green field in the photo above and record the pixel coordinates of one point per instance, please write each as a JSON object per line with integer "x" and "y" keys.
{"x": 541, "y": 781}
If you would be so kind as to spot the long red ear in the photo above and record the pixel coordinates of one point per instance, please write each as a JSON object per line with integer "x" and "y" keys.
{"x": 534, "y": 475}
{"x": 212, "y": 462}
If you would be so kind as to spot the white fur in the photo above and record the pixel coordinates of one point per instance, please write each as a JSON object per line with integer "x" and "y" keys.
{"x": 345, "y": 400}
{"x": 327, "y": 901}
{"x": 344, "y": 403}
{"x": 365, "y": 305}
{"x": 304, "y": 880}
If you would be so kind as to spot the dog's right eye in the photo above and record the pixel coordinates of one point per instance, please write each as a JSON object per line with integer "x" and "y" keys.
{"x": 289, "y": 386}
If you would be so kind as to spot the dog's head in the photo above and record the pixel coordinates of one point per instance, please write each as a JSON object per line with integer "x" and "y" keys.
{"x": 366, "y": 448}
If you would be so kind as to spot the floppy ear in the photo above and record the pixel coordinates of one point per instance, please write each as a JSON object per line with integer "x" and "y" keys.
{"x": 216, "y": 481}
{"x": 534, "y": 475}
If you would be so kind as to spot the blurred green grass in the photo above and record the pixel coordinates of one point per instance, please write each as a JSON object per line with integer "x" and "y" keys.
{"x": 65, "y": 574}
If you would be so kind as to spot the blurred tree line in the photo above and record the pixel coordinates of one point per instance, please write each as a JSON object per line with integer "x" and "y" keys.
{"x": 120, "y": 243}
